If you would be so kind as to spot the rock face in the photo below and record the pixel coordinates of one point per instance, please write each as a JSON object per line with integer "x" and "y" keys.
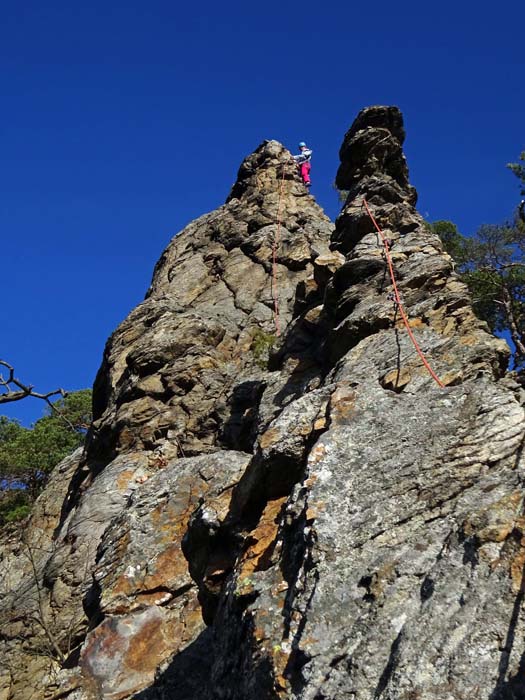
{"x": 307, "y": 516}
{"x": 207, "y": 322}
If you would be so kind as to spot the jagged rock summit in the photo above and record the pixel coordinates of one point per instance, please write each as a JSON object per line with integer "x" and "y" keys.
{"x": 308, "y": 516}
{"x": 168, "y": 369}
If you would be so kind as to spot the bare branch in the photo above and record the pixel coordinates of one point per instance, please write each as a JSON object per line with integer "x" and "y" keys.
{"x": 9, "y": 394}
{"x": 12, "y": 389}
{"x": 512, "y": 264}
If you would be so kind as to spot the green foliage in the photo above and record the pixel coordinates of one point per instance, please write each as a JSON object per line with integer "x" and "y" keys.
{"x": 519, "y": 170}
{"x": 27, "y": 455}
{"x": 492, "y": 264}
{"x": 454, "y": 243}
{"x": 17, "y": 513}
{"x": 9, "y": 429}
{"x": 261, "y": 345}
{"x": 75, "y": 407}
{"x": 15, "y": 505}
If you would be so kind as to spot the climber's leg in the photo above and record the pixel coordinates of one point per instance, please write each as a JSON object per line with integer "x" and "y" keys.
{"x": 305, "y": 173}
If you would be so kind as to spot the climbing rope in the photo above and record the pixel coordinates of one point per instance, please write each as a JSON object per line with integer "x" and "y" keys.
{"x": 397, "y": 298}
{"x": 275, "y": 246}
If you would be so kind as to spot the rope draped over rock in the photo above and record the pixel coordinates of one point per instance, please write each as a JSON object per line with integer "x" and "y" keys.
{"x": 398, "y": 299}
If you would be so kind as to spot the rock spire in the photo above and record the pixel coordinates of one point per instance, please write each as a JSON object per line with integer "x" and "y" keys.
{"x": 307, "y": 517}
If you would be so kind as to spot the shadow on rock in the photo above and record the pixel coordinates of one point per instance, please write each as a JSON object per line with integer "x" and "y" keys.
{"x": 238, "y": 431}
{"x": 188, "y": 675}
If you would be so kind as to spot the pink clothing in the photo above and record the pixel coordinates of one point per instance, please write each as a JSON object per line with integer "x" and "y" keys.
{"x": 305, "y": 172}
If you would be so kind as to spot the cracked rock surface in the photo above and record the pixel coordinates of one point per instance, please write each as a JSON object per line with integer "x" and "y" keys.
{"x": 170, "y": 368}
{"x": 308, "y": 516}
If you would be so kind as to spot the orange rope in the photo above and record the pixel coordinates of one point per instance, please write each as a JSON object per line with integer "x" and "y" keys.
{"x": 398, "y": 299}
{"x": 276, "y": 242}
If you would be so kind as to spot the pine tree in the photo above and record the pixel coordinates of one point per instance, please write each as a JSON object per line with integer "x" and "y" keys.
{"x": 27, "y": 455}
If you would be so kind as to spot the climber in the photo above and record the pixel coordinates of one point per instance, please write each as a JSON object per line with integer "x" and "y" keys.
{"x": 303, "y": 162}
{"x": 521, "y": 210}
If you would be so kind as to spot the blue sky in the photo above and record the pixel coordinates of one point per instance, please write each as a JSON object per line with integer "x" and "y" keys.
{"x": 123, "y": 121}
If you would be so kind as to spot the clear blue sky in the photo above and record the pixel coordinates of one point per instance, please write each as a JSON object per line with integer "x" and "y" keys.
{"x": 122, "y": 121}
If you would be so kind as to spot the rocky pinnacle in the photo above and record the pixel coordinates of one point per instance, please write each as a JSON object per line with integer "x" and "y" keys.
{"x": 308, "y": 516}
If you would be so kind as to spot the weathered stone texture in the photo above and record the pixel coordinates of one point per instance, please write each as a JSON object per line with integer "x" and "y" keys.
{"x": 309, "y": 516}
{"x": 171, "y": 366}
{"x": 181, "y": 376}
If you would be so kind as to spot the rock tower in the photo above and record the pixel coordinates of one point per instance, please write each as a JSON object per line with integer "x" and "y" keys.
{"x": 305, "y": 516}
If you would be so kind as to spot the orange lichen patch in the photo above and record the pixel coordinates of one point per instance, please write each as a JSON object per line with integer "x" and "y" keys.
{"x": 280, "y": 686}
{"x": 342, "y": 404}
{"x": 517, "y": 565}
{"x": 416, "y": 322}
{"x": 441, "y": 322}
{"x": 122, "y": 654}
{"x": 468, "y": 339}
{"x": 317, "y": 453}
{"x": 397, "y": 321}
{"x": 312, "y": 512}
{"x": 500, "y": 523}
{"x": 495, "y": 523}
{"x": 452, "y": 377}
{"x": 168, "y": 519}
{"x": 280, "y": 661}
{"x": 170, "y": 567}
{"x": 138, "y": 653}
{"x": 256, "y": 557}
{"x": 496, "y": 532}
{"x": 124, "y": 586}
{"x": 168, "y": 570}
{"x": 320, "y": 423}
{"x": 124, "y": 478}
{"x": 260, "y": 634}
{"x": 270, "y": 437}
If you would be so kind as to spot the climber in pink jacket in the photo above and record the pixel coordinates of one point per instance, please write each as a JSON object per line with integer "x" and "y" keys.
{"x": 303, "y": 162}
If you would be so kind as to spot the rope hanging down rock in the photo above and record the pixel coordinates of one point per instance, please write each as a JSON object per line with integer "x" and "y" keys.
{"x": 398, "y": 301}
